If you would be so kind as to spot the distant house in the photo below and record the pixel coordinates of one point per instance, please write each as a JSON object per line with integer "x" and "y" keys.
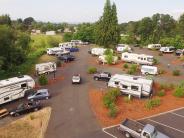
{"x": 67, "y": 30}
{"x": 35, "y": 31}
{"x": 50, "y": 33}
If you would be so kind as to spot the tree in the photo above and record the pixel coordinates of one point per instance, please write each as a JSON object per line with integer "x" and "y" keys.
{"x": 28, "y": 21}
{"x": 67, "y": 37}
{"x": 181, "y": 25}
{"x": 5, "y": 19}
{"x": 107, "y": 32}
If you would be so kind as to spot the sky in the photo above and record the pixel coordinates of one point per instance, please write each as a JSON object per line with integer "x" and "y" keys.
{"x": 77, "y": 11}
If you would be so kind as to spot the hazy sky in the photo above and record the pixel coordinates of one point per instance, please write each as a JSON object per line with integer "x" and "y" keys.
{"x": 75, "y": 11}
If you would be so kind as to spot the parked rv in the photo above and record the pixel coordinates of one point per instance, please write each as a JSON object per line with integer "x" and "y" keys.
{"x": 132, "y": 85}
{"x": 45, "y": 68}
{"x": 137, "y": 58}
{"x": 98, "y": 51}
{"x": 135, "y": 129}
{"x": 103, "y": 59}
{"x": 15, "y": 88}
{"x": 152, "y": 70}
{"x": 170, "y": 49}
{"x": 77, "y": 42}
{"x": 154, "y": 46}
{"x": 62, "y": 52}
{"x": 55, "y": 50}
{"x": 67, "y": 45}
{"x": 123, "y": 48}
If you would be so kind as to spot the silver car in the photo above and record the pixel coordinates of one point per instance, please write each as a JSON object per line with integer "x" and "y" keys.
{"x": 42, "y": 94}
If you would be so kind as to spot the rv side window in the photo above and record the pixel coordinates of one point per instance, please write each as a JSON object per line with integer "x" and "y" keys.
{"x": 150, "y": 59}
{"x": 134, "y": 88}
{"x": 116, "y": 82}
{"x": 23, "y": 85}
{"x": 144, "y": 58}
{"x": 7, "y": 98}
{"x": 125, "y": 56}
{"x": 124, "y": 87}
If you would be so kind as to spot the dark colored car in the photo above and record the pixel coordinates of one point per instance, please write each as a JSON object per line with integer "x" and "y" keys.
{"x": 41, "y": 94}
{"x": 105, "y": 76}
{"x": 74, "y": 49}
{"x": 26, "y": 108}
{"x": 179, "y": 52}
{"x": 67, "y": 58}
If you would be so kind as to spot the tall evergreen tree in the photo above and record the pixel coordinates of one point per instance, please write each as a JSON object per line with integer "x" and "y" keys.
{"x": 107, "y": 32}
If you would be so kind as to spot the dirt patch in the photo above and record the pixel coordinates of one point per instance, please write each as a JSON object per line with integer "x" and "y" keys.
{"x": 134, "y": 110}
{"x": 33, "y": 125}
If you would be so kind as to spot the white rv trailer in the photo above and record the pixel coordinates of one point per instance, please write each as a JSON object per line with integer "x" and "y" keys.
{"x": 122, "y": 48}
{"x": 54, "y": 50}
{"x": 67, "y": 45}
{"x": 132, "y": 85}
{"x": 99, "y": 51}
{"x": 169, "y": 49}
{"x": 137, "y": 58}
{"x": 154, "y": 46}
{"x": 152, "y": 70}
{"x": 77, "y": 42}
{"x": 102, "y": 59}
{"x": 45, "y": 68}
{"x": 15, "y": 88}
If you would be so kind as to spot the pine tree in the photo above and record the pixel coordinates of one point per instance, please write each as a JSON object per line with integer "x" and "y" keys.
{"x": 107, "y": 32}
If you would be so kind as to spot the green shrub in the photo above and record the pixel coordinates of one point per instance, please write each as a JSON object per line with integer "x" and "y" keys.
{"x": 92, "y": 70}
{"x": 176, "y": 73}
{"x": 127, "y": 99}
{"x": 152, "y": 103}
{"x": 133, "y": 69}
{"x": 161, "y": 93}
{"x": 108, "y": 52}
{"x": 179, "y": 91}
{"x": 161, "y": 71}
{"x": 160, "y": 54}
{"x": 43, "y": 80}
{"x": 113, "y": 110}
{"x": 58, "y": 63}
{"x": 109, "y": 59}
{"x": 155, "y": 61}
{"x": 125, "y": 66}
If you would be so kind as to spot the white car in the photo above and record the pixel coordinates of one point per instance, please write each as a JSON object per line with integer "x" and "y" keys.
{"x": 76, "y": 79}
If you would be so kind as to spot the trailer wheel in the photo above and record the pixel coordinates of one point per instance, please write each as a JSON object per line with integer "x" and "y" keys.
{"x": 96, "y": 78}
{"x": 127, "y": 135}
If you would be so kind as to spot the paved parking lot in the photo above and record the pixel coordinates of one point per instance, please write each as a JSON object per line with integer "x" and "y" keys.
{"x": 170, "y": 123}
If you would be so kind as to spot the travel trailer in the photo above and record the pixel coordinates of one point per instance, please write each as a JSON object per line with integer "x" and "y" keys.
{"x": 132, "y": 85}
{"x": 154, "y": 46}
{"x": 98, "y": 51}
{"x": 45, "y": 68}
{"x": 77, "y": 42}
{"x": 137, "y": 58}
{"x": 15, "y": 88}
{"x": 170, "y": 49}
{"x": 152, "y": 70}
{"x": 67, "y": 45}
{"x": 54, "y": 50}
{"x": 123, "y": 48}
{"x": 102, "y": 59}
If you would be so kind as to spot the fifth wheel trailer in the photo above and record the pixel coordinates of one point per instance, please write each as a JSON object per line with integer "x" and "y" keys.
{"x": 137, "y": 86}
{"x": 15, "y": 88}
{"x": 45, "y": 68}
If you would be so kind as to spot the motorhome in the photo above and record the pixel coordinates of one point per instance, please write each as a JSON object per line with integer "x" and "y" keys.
{"x": 132, "y": 85}
{"x": 98, "y": 51}
{"x": 45, "y": 68}
{"x": 15, "y": 88}
{"x": 54, "y": 50}
{"x": 149, "y": 70}
{"x": 123, "y": 48}
{"x": 103, "y": 59}
{"x": 169, "y": 49}
{"x": 137, "y": 58}
{"x": 154, "y": 46}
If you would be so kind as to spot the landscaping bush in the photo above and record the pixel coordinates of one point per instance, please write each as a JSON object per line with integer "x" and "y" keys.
{"x": 43, "y": 80}
{"x": 176, "y": 73}
{"x": 109, "y": 59}
{"x": 113, "y": 110}
{"x": 133, "y": 69}
{"x": 127, "y": 99}
{"x": 125, "y": 66}
{"x": 155, "y": 61}
{"x": 152, "y": 103}
{"x": 179, "y": 91}
{"x": 108, "y": 52}
{"x": 160, "y": 54}
{"x": 161, "y": 93}
{"x": 92, "y": 70}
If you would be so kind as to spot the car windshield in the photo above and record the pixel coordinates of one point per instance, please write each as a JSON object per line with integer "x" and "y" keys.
{"x": 76, "y": 77}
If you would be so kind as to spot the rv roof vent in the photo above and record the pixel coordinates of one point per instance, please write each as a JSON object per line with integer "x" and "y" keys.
{"x": 21, "y": 76}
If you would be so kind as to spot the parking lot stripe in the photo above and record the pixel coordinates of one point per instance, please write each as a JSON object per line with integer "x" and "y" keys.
{"x": 103, "y": 129}
{"x": 177, "y": 114}
{"x": 160, "y": 114}
{"x": 110, "y": 126}
{"x": 166, "y": 126}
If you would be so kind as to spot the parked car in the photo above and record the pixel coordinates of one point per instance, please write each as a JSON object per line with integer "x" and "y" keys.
{"x": 135, "y": 129}
{"x": 76, "y": 79}
{"x": 149, "y": 70}
{"x": 179, "y": 52}
{"x": 41, "y": 94}
{"x": 105, "y": 76}
{"x": 25, "y": 108}
{"x": 3, "y": 113}
{"x": 67, "y": 58}
{"x": 73, "y": 49}
{"x": 169, "y": 49}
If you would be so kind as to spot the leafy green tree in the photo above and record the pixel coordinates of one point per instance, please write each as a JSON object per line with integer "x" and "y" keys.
{"x": 28, "y": 21}
{"x": 181, "y": 25}
{"x": 67, "y": 37}
{"x": 5, "y": 20}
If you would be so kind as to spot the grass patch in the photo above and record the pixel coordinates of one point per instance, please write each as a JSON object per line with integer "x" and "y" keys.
{"x": 176, "y": 73}
{"x": 179, "y": 91}
{"x": 125, "y": 66}
{"x": 43, "y": 80}
{"x": 152, "y": 103}
{"x": 92, "y": 70}
{"x": 161, "y": 93}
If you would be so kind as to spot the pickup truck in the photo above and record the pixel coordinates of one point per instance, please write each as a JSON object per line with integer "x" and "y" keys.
{"x": 105, "y": 76}
{"x": 135, "y": 129}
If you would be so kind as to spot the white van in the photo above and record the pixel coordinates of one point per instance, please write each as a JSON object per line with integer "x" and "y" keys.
{"x": 102, "y": 59}
{"x": 152, "y": 70}
{"x": 122, "y": 48}
{"x": 154, "y": 46}
{"x": 45, "y": 68}
{"x": 137, "y": 58}
{"x": 169, "y": 49}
